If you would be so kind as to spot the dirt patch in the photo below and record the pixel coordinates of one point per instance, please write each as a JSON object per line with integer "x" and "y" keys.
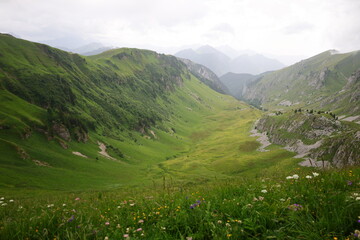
{"x": 103, "y": 152}
{"x": 41, "y": 163}
{"x": 80, "y": 154}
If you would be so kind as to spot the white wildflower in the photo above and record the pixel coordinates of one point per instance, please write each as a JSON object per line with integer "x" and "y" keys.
{"x": 289, "y": 177}
{"x": 315, "y": 174}
{"x": 264, "y": 191}
{"x": 4, "y": 204}
{"x": 309, "y": 177}
{"x": 282, "y": 200}
{"x": 357, "y": 198}
{"x": 261, "y": 198}
{"x": 11, "y": 200}
{"x": 64, "y": 205}
{"x": 295, "y": 176}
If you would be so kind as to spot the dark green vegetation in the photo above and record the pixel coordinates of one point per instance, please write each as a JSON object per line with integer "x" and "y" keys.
{"x": 177, "y": 160}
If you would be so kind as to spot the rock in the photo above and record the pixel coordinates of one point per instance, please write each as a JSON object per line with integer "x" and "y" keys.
{"x": 61, "y": 131}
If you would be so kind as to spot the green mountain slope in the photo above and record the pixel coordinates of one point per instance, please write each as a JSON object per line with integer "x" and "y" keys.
{"x": 311, "y": 82}
{"x": 152, "y": 115}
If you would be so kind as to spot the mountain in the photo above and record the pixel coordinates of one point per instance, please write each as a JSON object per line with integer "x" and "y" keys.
{"x": 327, "y": 81}
{"x": 91, "y": 49}
{"x": 206, "y": 76}
{"x": 221, "y": 64}
{"x": 209, "y": 57}
{"x": 237, "y": 82}
{"x": 57, "y": 109}
{"x": 254, "y": 64}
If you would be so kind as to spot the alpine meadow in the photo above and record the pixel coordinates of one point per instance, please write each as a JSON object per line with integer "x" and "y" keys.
{"x": 197, "y": 142}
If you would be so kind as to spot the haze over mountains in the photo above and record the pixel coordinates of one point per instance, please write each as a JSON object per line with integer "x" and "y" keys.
{"x": 220, "y": 63}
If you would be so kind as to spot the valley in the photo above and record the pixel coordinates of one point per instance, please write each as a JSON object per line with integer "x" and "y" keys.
{"x": 131, "y": 143}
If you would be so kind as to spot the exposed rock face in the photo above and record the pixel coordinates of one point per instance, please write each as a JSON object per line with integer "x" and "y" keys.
{"x": 335, "y": 142}
{"x": 60, "y": 130}
{"x": 205, "y": 75}
{"x": 317, "y": 80}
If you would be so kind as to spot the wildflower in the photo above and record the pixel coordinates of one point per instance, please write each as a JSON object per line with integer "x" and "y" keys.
{"x": 349, "y": 183}
{"x": 77, "y": 199}
{"x": 255, "y": 199}
{"x": 139, "y": 229}
{"x": 219, "y": 222}
{"x": 107, "y": 223}
{"x": 163, "y": 228}
{"x": 264, "y": 191}
{"x": 189, "y": 238}
{"x": 4, "y": 204}
{"x": 141, "y": 221}
{"x": 2, "y": 198}
{"x": 315, "y": 174}
{"x": 106, "y": 238}
{"x": 309, "y": 177}
{"x": 282, "y": 200}
{"x": 11, "y": 200}
{"x": 261, "y": 198}
{"x": 64, "y": 205}
{"x": 126, "y": 235}
{"x": 132, "y": 204}
{"x": 228, "y": 235}
{"x": 357, "y": 198}
{"x": 228, "y": 225}
{"x": 295, "y": 207}
{"x": 50, "y": 205}
{"x": 289, "y": 177}
{"x": 1, "y": 202}
{"x": 118, "y": 226}
{"x": 295, "y": 176}
{"x": 71, "y": 219}
{"x": 357, "y": 234}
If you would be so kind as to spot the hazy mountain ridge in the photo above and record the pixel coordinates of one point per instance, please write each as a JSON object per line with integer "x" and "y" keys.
{"x": 221, "y": 64}
{"x": 206, "y": 76}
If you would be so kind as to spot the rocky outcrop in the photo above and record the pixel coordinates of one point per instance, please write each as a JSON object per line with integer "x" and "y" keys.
{"x": 61, "y": 131}
{"x": 205, "y": 75}
{"x": 328, "y": 140}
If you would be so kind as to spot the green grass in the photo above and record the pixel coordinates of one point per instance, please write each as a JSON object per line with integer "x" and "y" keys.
{"x": 236, "y": 209}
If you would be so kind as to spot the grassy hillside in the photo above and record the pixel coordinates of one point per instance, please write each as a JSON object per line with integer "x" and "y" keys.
{"x": 311, "y": 82}
{"x": 155, "y": 118}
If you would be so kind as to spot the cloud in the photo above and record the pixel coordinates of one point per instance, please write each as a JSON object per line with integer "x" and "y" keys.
{"x": 278, "y": 26}
{"x": 298, "y": 28}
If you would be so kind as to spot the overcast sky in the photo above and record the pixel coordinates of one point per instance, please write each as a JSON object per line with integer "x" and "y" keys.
{"x": 273, "y": 27}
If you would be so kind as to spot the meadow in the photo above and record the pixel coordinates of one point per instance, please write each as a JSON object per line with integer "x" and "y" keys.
{"x": 303, "y": 205}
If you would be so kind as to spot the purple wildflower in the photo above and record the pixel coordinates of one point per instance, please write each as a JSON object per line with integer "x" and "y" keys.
{"x": 295, "y": 207}
{"x": 72, "y": 218}
{"x": 349, "y": 183}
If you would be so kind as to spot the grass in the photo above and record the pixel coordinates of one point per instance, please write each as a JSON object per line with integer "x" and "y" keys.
{"x": 327, "y": 209}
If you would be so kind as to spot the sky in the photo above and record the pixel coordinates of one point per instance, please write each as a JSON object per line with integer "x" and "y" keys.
{"x": 278, "y": 28}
